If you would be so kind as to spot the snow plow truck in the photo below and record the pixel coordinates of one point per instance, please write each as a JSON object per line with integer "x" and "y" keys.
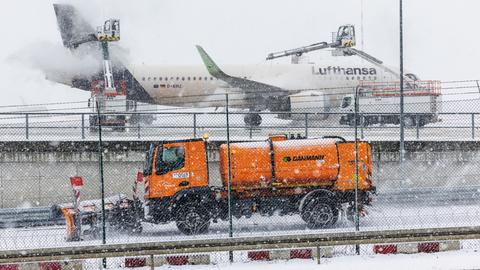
{"x": 315, "y": 178}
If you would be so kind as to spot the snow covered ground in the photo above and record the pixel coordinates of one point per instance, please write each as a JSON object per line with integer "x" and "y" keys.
{"x": 464, "y": 259}
{"x": 381, "y": 217}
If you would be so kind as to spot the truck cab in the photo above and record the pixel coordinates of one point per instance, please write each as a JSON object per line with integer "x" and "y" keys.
{"x": 173, "y": 166}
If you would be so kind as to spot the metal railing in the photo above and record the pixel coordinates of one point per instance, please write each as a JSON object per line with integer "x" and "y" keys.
{"x": 27, "y": 126}
{"x": 239, "y": 244}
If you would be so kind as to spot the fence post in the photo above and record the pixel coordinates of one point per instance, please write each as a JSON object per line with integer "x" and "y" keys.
{"x": 357, "y": 215}
{"x": 138, "y": 129}
{"x": 229, "y": 184}
{"x": 473, "y": 126}
{"x": 417, "y": 124}
{"x": 102, "y": 182}
{"x": 83, "y": 126}
{"x": 194, "y": 125}
{"x": 362, "y": 123}
{"x": 306, "y": 125}
{"x": 26, "y": 126}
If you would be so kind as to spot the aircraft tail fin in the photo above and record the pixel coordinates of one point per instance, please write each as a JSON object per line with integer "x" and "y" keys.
{"x": 74, "y": 29}
{"x": 212, "y": 68}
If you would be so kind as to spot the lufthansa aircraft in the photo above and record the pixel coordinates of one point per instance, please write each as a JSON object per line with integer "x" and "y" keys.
{"x": 255, "y": 87}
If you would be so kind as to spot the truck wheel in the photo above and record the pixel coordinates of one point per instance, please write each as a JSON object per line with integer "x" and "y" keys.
{"x": 320, "y": 213}
{"x": 192, "y": 219}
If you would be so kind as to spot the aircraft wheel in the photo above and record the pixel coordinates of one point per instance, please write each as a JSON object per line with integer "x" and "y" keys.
{"x": 253, "y": 119}
{"x": 409, "y": 121}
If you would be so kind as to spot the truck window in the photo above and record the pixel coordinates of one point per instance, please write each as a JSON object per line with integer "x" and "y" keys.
{"x": 346, "y": 102}
{"x": 147, "y": 168}
{"x": 170, "y": 159}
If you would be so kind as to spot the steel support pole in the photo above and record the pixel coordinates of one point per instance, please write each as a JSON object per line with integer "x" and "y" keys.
{"x": 102, "y": 183}
{"x": 229, "y": 184}
{"x": 402, "y": 122}
{"x": 417, "y": 125}
{"x": 26, "y": 126}
{"x": 83, "y": 126}
{"x": 306, "y": 125}
{"x": 473, "y": 126}
{"x": 194, "y": 125}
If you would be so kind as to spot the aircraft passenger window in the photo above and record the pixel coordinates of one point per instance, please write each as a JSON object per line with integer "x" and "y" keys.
{"x": 160, "y": 78}
{"x": 347, "y": 78}
{"x": 183, "y": 78}
{"x": 178, "y": 78}
{"x": 149, "y": 78}
{"x": 194, "y": 78}
{"x": 199, "y": 78}
{"x": 143, "y": 79}
{"x": 154, "y": 78}
{"x": 170, "y": 159}
{"x": 206, "y": 78}
{"x": 188, "y": 78}
{"x": 211, "y": 78}
{"x": 155, "y": 86}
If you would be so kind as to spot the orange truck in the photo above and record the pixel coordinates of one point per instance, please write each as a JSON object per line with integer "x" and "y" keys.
{"x": 315, "y": 178}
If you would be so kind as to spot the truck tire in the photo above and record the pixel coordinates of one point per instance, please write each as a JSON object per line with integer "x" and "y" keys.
{"x": 192, "y": 219}
{"x": 319, "y": 213}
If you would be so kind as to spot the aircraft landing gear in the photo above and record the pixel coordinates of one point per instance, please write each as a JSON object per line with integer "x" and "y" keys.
{"x": 253, "y": 119}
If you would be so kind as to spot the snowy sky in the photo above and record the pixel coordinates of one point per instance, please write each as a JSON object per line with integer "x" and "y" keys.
{"x": 439, "y": 35}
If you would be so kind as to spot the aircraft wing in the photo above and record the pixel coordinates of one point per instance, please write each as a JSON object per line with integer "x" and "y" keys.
{"x": 262, "y": 95}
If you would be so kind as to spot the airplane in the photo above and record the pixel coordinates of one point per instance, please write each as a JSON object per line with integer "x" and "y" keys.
{"x": 260, "y": 87}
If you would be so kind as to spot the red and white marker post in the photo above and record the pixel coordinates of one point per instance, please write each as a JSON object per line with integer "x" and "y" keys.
{"x": 77, "y": 184}
{"x": 135, "y": 185}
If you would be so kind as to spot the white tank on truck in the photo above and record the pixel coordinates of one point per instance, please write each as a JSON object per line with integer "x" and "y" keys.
{"x": 379, "y": 103}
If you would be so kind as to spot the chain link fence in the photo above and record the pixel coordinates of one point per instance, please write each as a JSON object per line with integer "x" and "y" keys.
{"x": 292, "y": 173}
